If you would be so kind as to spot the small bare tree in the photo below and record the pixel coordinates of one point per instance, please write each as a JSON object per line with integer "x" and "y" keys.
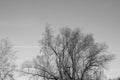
{"x": 70, "y": 55}
{"x": 6, "y": 60}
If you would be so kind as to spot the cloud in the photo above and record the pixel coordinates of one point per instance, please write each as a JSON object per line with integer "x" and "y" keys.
{"x": 26, "y": 46}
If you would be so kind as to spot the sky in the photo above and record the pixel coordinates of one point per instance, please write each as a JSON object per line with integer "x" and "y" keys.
{"x": 24, "y": 21}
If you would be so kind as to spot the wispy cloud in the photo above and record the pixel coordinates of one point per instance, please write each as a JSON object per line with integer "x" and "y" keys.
{"x": 26, "y": 46}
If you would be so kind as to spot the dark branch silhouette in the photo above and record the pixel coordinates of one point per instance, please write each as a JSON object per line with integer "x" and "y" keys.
{"x": 68, "y": 55}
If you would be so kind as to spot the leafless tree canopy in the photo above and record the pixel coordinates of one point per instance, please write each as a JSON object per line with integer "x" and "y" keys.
{"x": 68, "y": 55}
{"x": 6, "y": 60}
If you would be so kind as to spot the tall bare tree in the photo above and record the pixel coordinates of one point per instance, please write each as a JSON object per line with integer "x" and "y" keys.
{"x": 68, "y": 55}
{"x": 7, "y": 57}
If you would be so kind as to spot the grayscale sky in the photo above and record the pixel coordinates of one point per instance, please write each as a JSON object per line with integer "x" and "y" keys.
{"x": 23, "y": 22}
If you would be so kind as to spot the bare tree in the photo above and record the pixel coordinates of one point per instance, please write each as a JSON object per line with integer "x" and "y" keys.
{"x": 6, "y": 60}
{"x": 68, "y": 55}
